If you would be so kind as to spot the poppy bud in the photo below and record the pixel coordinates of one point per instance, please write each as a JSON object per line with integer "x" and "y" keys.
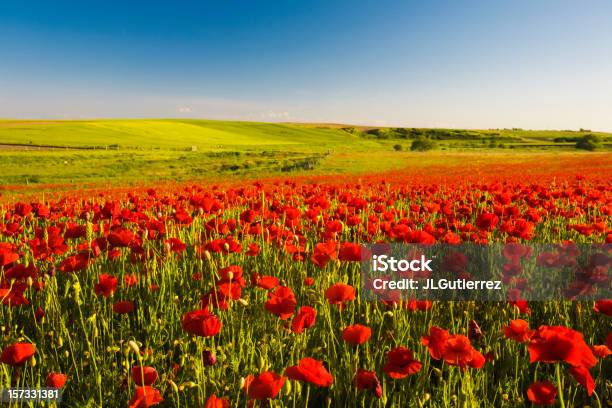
{"x": 134, "y": 346}
{"x": 288, "y": 387}
{"x": 474, "y": 332}
{"x": 174, "y": 386}
{"x": 209, "y": 358}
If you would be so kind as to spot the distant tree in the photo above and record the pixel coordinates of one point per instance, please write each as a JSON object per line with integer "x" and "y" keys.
{"x": 589, "y": 142}
{"x": 397, "y": 147}
{"x": 423, "y": 144}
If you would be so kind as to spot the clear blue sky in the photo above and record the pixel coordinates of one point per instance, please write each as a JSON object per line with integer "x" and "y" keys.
{"x": 476, "y": 64}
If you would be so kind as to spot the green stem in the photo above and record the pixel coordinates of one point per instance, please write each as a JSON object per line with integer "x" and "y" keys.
{"x": 558, "y": 372}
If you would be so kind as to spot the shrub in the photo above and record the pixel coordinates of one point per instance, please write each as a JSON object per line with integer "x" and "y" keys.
{"x": 423, "y": 144}
{"x": 397, "y": 147}
{"x": 589, "y": 142}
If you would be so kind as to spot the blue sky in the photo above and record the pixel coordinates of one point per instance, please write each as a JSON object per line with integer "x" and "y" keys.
{"x": 476, "y": 64}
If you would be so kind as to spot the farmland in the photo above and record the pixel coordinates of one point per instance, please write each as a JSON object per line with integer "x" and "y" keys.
{"x": 107, "y": 152}
{"x": 136, "y": 270}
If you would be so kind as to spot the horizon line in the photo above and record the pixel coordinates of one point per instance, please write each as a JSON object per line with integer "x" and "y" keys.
{"x": 314, "y": 123}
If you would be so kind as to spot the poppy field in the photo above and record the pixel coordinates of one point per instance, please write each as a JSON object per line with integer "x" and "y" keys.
{"x": 249, "y": 293}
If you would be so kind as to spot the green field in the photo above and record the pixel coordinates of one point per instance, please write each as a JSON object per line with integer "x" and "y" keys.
{"x": 74, "y": 152}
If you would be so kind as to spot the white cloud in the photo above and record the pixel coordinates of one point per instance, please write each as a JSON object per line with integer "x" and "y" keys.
{"x": 277, "y": 115}
{"x": 184, "y": 109}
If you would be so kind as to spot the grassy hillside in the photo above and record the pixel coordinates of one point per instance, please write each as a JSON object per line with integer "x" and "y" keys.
{"x": 112, "y": 151}
{"x": 168, "y": 134}
{"x": 211, "y": 135}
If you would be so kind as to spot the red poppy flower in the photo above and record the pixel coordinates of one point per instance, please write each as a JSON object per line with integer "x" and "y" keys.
{"x": 217, "y": 402}
{"x": 145, "y": 397}
{"x": 56, "y": 380}
{"x": 551, "y": 344}
{"x": 459, "y": 352}
{"x": 367, "y": 380}
{"x": 350, "y": 252}
{"x": 7, "y": 256}
{"x": 123, "y": 307}
{"x": 454, "y": 349}
{"x": 106, "y": 286}
{"x": 144, "y": 375}
{"x": 518, "y": 330}
{"x": 356, "y": 334}
{"x": 14, "y": 296}
{"x": 308, "y": 281}
{"x": 542, "y": 393}
{"x": 232, "y": 274}
{"x": 584, "y": 378}
{"x": 400, "y": 363}
{"x": 304, "y": 319}
{"x": 121, "y": 238}
{"x": 281, "y": 302}
{"x": 130, "y": 280}
{"x": 323, "y": 253}
{"x": 514, "y": 251}
{"x": 487, "y": 221}
{"x": 435, "y": 342}
{"x": 265, "y": 282}
{"x": 75, "y": 263}
{"x": 604, "y": 307}
{"x": 340, "y": 293}
{"x": 17, "y": 354}
{"x": 264, "y": 385}
{"x": 601, "y": 351}
{"x": 413, "y": 304}
{"x": 201, "y": 323}
{"x": 221, "y": 294}
{"x": 253, "y": 250}
{"x": 175, "y": 245}
{"x": 312, "y": 371}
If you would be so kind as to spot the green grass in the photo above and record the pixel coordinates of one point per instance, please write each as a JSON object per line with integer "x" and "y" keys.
{"x": 149, "y": 150}
{"x": 169, "y": 134}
